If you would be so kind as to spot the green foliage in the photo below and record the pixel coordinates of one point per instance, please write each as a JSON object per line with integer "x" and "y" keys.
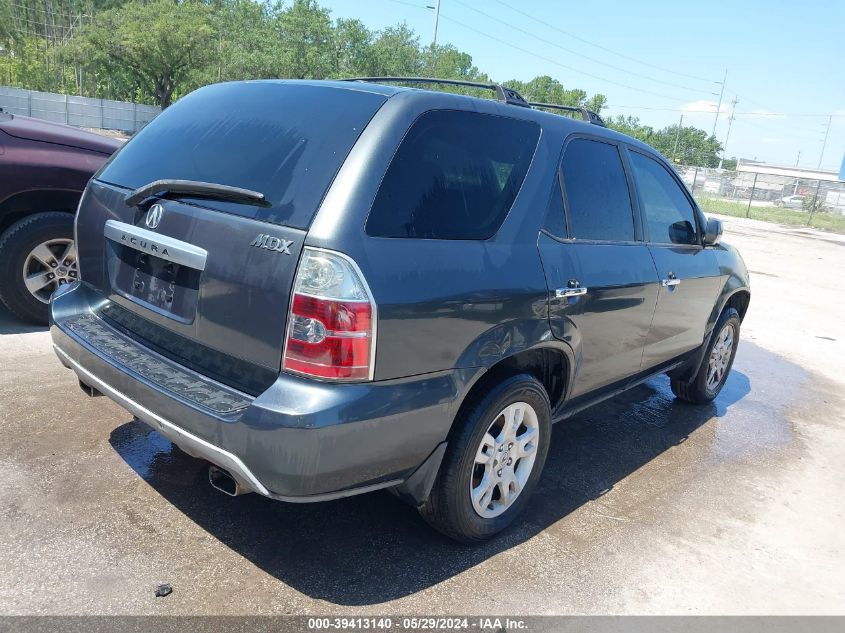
{"x": 691, "y": 146}
{"x": 158, "y": 44}
{"x": 154, "y": 51}
{"x": 814, "y": 204}
{"x": 396, "y": 52}
{"x": 7, "y": 25}
{"x": 306, "y": 36}
{"x": 353, "y": 53}
{"x": 545, "y": 89}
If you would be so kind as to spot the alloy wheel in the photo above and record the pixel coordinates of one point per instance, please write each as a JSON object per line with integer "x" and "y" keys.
{"x": 48, "y": 266}
{"x": 720, "y": 357}
{"x": 504, "y": 460}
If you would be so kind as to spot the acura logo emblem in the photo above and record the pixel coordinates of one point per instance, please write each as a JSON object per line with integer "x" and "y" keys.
{"x": 154, "y": 216}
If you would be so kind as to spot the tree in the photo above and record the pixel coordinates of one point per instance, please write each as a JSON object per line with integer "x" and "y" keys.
{"x": 694, "y": 146}
{"x": 247, "y": 43}
{"x": 447, "y": 62}
{"x": 159, "y": 44}
{"x": 305, "y": 30}
{"x": 7, "y": 26}
{"x": 631, "y": 126}
{"x": 353, "y": 55}
{"x": 396, "y": 52}
{"x": 545, "y": 89}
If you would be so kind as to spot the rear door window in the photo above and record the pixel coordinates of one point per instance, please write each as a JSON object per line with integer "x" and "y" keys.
{"x": 669, "y": 215}
{"x": 598, "y": 201}
{"x": 285, "y": 140}
{"x": 454, "y": 176}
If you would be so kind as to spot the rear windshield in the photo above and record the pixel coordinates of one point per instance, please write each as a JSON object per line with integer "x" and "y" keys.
{"x": 455, "y": 176}
{"x": 284, "y": 140}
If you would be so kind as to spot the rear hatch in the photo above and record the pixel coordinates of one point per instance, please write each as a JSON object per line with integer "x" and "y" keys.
{"x": 201, "y": 279}
{"x": 30, "y": 129}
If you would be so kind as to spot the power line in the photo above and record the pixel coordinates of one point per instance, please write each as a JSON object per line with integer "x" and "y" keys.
{"x": 604, "y": 48}
{"x": 410, "y": 4}
{"x": 555, "y": 62}
{"x": 750, "y": 114}
{"x": 573, "y": 52}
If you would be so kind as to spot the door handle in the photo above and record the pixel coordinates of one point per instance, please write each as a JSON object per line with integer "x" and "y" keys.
{"x": 668, "y": 283}
{"x": 570, "y": 292}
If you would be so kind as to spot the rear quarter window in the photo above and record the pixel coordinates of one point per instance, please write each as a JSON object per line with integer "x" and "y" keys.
{"x": 286, "y": 140}
{"x": 454, "y": 176}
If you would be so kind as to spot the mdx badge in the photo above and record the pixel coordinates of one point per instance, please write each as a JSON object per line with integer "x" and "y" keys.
{"x": 271, "y": 243}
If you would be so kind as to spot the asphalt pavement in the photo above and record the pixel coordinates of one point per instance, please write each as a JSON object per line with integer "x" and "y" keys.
{"x": 647, "y": 505}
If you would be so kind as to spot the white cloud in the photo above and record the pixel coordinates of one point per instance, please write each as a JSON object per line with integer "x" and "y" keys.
{"x": 773, "y": 140}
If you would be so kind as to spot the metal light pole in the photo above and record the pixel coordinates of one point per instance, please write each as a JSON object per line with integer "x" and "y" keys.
{"x": 728, "y": 135}
{"x": 824, "y": 143}
{"x": 719, "y": 107}
{"x": 436, "y": 8}
{"x": 677, "y": 138}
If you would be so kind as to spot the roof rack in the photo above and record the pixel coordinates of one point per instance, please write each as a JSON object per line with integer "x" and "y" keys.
{"x": 503, "y": 94}
{"x": 587, "y": 115}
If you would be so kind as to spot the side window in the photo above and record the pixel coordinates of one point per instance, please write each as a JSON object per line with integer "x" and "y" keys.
{"x": 669, "y": 216}
{"x": 555, "y": 220}
{"x": 598, "y": 203}
{"x": 455, "y": 176}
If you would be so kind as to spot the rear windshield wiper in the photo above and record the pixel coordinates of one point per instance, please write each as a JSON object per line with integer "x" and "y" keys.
{"x": 195, "y": 188}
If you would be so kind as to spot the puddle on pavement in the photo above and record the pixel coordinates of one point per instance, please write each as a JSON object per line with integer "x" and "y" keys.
{"x": 750, "y": 417}
{"x": 663, "y": 443}
{"x": 602, "y": 444}
{"x": 147, "y": 452}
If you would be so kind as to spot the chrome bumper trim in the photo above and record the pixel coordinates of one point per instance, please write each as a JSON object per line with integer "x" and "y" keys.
{"x": 188, "y": 442}
{"x": 198, "y": 447}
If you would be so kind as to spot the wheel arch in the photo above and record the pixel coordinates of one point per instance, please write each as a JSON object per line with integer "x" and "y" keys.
{"x": 739, "y": 300}
{"x": 24, "y": 203}
{"x": 551, "y": 365}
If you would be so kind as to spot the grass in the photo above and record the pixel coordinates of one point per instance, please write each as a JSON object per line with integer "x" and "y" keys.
{"x": 825, "y": 221}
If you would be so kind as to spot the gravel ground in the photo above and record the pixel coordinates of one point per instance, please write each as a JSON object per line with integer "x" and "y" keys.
{"x": 647, "y": 505}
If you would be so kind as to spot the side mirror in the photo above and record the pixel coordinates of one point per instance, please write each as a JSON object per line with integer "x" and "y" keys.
{"x": 713, "y": 232}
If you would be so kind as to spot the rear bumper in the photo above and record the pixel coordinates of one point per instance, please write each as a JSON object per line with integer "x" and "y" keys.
{"x": 301, "y": 440}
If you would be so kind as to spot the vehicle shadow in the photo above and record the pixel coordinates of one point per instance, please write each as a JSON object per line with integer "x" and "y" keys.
{"x": 372, "y": 548}
{"x": 10, "y": 324}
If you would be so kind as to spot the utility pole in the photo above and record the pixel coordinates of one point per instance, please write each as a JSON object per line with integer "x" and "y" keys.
{"x": 728, "y": 135}
{"x": 719, "y": 107}
{"x": 824, "y": 143}
{"x": 677, "y": 138}
{"x": 798, "y": 160}
{"x": 436, "y": 8}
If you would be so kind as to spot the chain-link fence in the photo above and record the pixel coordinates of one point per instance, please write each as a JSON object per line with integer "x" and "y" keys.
{"x": 785, "y": 199}
{"x": 78, "y": 111}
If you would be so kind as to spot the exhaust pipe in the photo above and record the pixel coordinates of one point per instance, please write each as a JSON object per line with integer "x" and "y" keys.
{"x": 89, "y": 390}
{"x": 224, "y": 482}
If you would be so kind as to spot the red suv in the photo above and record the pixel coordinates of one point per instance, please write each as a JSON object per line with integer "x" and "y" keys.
{"x": 44, "y": 168}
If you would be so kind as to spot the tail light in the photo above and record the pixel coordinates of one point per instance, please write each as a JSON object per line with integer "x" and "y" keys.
{"x": 332, "y": 323}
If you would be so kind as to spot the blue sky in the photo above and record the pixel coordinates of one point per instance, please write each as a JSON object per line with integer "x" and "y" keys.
{"x": 658, "y": 60}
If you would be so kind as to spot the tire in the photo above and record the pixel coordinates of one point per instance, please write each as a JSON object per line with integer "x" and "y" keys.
{"x": 450, "y": 508}
{"x": 17, "y": 247}
{"x": 701, "y": 389}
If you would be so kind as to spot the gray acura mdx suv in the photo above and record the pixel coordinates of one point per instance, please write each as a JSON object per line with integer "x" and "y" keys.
{"x": 325, "y": 288}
